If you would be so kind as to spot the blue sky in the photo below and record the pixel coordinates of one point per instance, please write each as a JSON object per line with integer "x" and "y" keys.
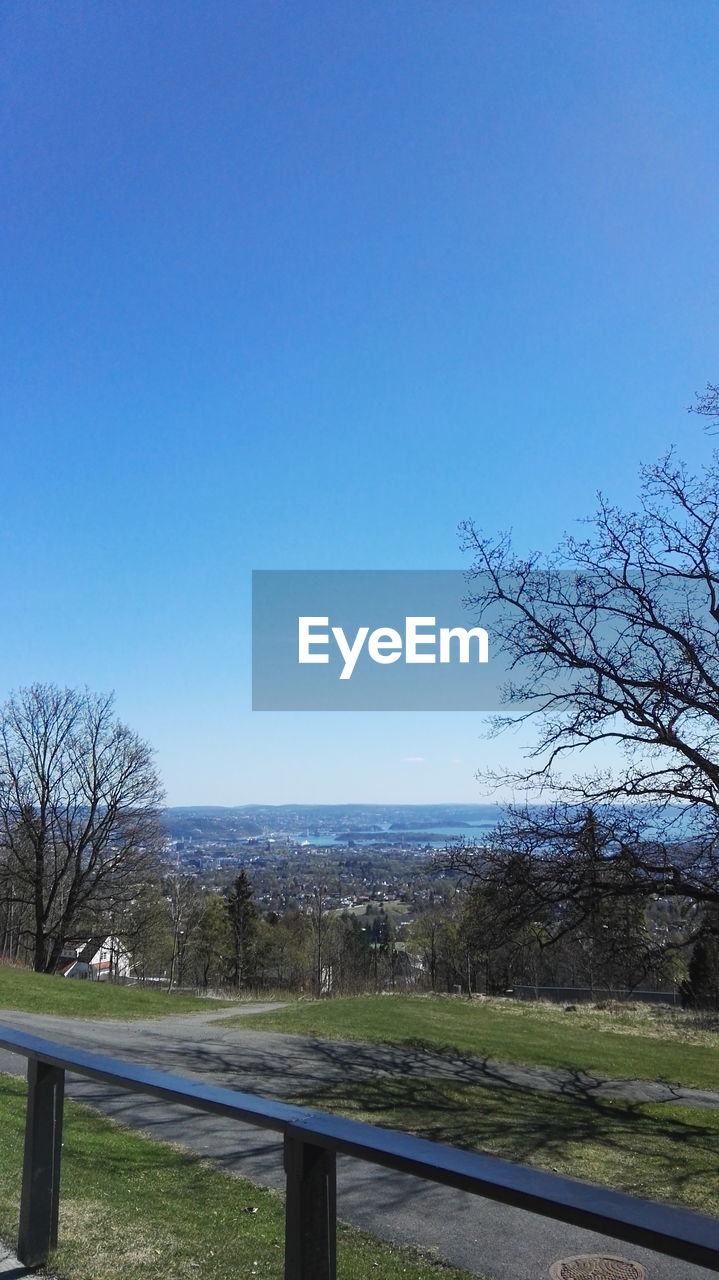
{"x": 302, "y": 285}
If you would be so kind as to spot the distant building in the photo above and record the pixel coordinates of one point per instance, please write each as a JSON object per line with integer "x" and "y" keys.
{"x": 98, "y": 960}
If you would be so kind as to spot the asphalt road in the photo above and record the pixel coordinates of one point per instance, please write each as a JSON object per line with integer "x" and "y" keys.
{"x": 483, "y": 1237}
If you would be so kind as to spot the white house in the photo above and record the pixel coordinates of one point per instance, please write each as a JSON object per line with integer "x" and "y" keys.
{"x": 97, "y": 959}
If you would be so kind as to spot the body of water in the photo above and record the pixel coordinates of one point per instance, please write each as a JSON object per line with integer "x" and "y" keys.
{"x": 436, "y": 838}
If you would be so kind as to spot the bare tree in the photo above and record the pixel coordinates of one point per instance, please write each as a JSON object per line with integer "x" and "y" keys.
{"x": 555, "y": 873}
{"x": 79, "y": 801}
{"x": 185, "y": 901}
{"x": 707, "y": 405}
{"x": 615, "y": 639}
{"x": 319, "y": 914}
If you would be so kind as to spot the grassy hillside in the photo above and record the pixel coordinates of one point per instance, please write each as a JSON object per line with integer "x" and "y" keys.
{"x": 70, "y": 997}
{"x": 632, "y": 1044}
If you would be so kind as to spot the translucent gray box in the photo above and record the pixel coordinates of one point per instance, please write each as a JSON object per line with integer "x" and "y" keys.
{"x": 465, "y": 674}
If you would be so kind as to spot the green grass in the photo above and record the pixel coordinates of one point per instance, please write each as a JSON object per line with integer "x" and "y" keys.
{"x": 653, "y": 1150}
{"x": 512, "y": 1031}
{"x": 72, "y": 998}
{"x": 135, "y": 1209}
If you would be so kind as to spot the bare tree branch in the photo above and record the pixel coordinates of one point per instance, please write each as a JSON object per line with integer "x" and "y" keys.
{"x": 79, "y": 810}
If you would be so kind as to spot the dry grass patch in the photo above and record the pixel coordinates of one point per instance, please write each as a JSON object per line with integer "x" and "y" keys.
{"x": 92, "y": 1228}
{"x": 654, "y": 1021}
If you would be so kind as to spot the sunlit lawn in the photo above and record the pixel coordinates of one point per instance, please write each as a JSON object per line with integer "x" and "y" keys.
{"x": 135, "y": 1209}
{"x": 44, "y": 993}
{"x": 631, "y": 1046}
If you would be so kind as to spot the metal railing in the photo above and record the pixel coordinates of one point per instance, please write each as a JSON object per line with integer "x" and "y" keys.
{"x": 312, "y": 1141}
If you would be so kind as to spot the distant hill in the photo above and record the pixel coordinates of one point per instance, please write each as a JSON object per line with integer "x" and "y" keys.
{"x": 213, "y": 822}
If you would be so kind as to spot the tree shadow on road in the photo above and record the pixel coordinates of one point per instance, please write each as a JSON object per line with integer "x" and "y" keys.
{"x": 649, "y": 1149}
{"x": 556, "y": 1119}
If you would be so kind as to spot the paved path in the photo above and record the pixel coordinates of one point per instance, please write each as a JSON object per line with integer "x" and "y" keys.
{"x": 10, "y": 1268}
{"x": 485, "y": 1238}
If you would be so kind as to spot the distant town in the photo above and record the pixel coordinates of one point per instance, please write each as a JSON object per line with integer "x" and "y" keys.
{"x": 361, "y": 852}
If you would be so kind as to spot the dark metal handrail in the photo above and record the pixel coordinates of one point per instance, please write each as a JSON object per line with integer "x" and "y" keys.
{"x": 312, "y": 1140}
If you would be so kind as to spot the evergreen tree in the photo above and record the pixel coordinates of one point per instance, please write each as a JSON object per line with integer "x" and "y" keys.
{"x": 701, "y": 991}
{"x": 211, "y": 942}
{"x": 242, "y": 913}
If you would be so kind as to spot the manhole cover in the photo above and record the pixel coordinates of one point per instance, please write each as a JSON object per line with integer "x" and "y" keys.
{"x": 591, "y": 1266}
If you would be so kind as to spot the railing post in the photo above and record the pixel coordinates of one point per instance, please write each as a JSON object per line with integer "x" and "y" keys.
{"x": 40, "y": 1196}
{"x": 310, "y": 1212}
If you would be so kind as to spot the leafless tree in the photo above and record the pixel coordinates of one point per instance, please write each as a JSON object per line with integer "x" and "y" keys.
{"x": 185, "y": 902}
{"x": 707, "y": 405}
{"x": 615, "y": 639}
{"x": 319, "y": 914}
{"x": 79, "y": 803}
